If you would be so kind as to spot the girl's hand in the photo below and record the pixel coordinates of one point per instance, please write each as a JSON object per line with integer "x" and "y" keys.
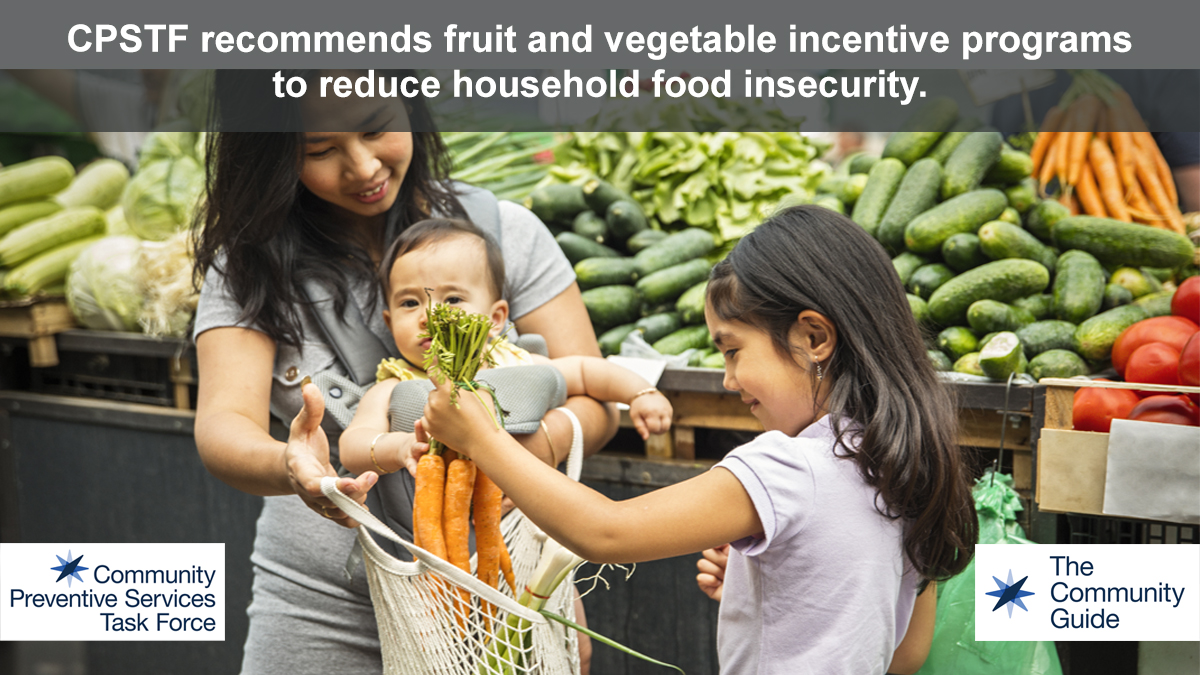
{"x": 459, "y": 427}
{"x": 651, "y": 414}
{"x": 711, "y": 578}
{"x": 306, "y": 460}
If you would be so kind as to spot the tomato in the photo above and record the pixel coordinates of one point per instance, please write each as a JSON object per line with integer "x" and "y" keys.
{"x": 1168, "y": 409}
{"x": 1154, "y": 363}
{"x": 1189, "y": 366}
{"x": 1172, "y": 330}
{"x": 1186, "y": 301}
{"x": 1095, "y": 409}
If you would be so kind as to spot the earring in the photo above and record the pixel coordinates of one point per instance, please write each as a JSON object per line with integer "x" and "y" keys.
{"x": 820, "y": 375}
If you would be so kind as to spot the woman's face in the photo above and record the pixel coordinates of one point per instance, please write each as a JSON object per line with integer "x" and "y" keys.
{"x": 360, "y": 172}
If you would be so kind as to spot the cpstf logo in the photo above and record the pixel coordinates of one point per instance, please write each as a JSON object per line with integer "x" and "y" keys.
{"x": 69, "y": 568}
{"x": 1009, "y": 594}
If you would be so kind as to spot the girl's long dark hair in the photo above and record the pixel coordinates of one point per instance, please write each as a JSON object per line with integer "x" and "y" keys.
{"x": 883, "y": 386}
{"x": 268, "y": 231}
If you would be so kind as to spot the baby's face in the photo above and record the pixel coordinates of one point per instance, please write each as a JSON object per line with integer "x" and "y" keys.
{"x": 452, "y": 271}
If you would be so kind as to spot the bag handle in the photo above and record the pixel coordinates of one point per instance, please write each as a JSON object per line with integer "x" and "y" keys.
{"x": 442, "y": 567}
{"x": 575, "y": 456}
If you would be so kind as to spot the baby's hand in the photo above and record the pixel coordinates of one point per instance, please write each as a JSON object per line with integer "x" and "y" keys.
{"x": 651, "y": 414}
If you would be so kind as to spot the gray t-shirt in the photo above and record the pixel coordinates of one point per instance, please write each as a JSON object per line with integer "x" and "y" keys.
{"x": 535, "y": 269}
{"x": 827, "y": 590}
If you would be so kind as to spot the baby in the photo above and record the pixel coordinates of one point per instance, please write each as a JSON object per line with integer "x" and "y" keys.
{"x": 455, "y": 263}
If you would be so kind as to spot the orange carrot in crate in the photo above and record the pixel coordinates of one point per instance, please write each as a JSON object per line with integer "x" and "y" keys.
{"x": 1083, "y": 125}
{"x": 1141, "y": 209}
{"x": 427, "y": 504}
{"x": 1067, "y": 199}
{"x": 1089, "y": 194}
{"x": 486, "y": 503}
{"x": 1149, "y": 146}
{"x": 1157, "y": 194}
{"x": 1124, "y": 148}
{"x": 1104, "y": 168}
{"x": 1046, "y": 174}
{"x": 1046, "y": 136}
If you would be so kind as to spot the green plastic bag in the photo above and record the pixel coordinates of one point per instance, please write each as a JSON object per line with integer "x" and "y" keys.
{"x": 954, "y": 650}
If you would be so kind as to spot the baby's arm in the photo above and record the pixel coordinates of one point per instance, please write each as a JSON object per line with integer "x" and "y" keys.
{"x": 393, "y": 450}
{"x": 604, "y": 380}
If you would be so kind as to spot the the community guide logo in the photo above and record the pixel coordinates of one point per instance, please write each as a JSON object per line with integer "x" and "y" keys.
{"x": 69, "y": 568}
{"x": 1009, "y": 594}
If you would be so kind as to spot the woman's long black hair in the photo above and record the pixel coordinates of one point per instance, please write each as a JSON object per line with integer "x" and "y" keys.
{"x": 266, "y": 231}
{"x": 883, "y": 387}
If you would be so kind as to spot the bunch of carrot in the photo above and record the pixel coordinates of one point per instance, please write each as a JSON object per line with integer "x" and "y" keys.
{"x": 448, "y": 487}
{"x": 1106, "y": 162}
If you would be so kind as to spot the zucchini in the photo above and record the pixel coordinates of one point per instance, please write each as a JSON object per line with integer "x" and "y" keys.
{"x": 599, "y": 194}
{"x": 1156, "y": 304}
{"x": 691, "y": 304}
{"x": 644, "y": 239}
{"x": 964, "y": 213}
{"x": 928, "y": 278}
{"x": 657, "y": 326}
{"x": 1012, "y": 166}
{"x": 1094, "y": 338}
{"x": 1003, "y": 280}
{"x": 1002, "y": 356}
{"x": 1135, "y": 281}
{"x": 34, "y": 178}
{"x": 692, "y": 337}
{"x": 1116, "y": 295}
{"x": 696, "y": 358}
{"x": 715, "y": 360}
{"x": 832, "y": 183}
{"x": 1042, "y": 336}
{"x": 1000, "y": 240}
{"x": 1041, "y": 306}
{"x": 578, "y": 248}
{"x": 969, "y": 162}
{"x": 950, "y": 140}
{"x": 919, "y": 309}
{"x": 968, "y": 364}
{"x": 1113, "y": 241}
{"x": 666, "y": 285}
{"x": 852, "y": 188}
{"x": 1010, "y": 215}
{"x": 1057, "y": 363}
{"x": 611, "y": 339}
{"x": 590, "y": 226}
{"x": 962, "y": 252}
{"x": 830, "y": 202}
{"x": 1022, "y": 196}
{"x": 862, "y": 163}
{"x": 906, "y": 264}
{"x": 16, "y": 215}
{"x": 940, "y": 361}
{"x": 100, "y": 184}
{"x": 1078, "y": 287}
{"x": 1042, "y": 218}
{"x": 609, "y": 306}
{"x": 917, "y": 193}
{"x": 557, "y": 202}
{"x": 625, "y": 219}
{"x": 675, "y": 249}
{"x": 41, "y": 235}
{"x": 991, "y": 316}
{"x": 596, "y": 272}
{"x": 882, "y": 183}
{"x": 46, "y": 269}
{"x": 922, "y": 131}
{"x": 957, "y": 341}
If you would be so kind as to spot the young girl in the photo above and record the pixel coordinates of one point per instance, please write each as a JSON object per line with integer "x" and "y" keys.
{"x": 453, "y": 262}
{"x": 854, "y": 493}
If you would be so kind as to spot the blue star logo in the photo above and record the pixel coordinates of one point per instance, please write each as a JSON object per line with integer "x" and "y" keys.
{"x": 68, "y": 568}
{"x": 1009, "y": 594}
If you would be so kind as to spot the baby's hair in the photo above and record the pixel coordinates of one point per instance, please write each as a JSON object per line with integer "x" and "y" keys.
{"x": 883, "y": 389}
{"x": 432, "y": 230}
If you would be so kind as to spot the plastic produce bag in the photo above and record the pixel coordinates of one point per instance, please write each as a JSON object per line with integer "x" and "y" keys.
{"x": 635, "y": 346}
{"x": 954, "y": 650}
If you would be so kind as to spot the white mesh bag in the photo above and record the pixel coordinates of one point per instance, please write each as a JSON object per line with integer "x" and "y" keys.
{"x": 426, "y": 629}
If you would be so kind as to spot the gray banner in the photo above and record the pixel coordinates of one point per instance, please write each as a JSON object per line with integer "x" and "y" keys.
{"x": 704, "y": 34}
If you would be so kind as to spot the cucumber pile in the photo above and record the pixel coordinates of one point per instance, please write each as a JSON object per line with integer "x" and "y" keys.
{"x": 633, "y": 277}
{"x": 983, "y": 257}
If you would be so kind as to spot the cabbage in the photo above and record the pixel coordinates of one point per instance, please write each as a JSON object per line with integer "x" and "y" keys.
{"x": 103, "y": 290}
{"x": 162, "y": 145}
{"x": 162, "y": 197}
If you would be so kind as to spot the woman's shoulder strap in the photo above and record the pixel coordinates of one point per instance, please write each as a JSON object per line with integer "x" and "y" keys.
{"x": 482, "y": 208}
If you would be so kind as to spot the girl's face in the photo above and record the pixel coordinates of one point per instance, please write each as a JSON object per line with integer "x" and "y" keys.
{"x": 359, "y": 172}
{"x": 778, "y": 388}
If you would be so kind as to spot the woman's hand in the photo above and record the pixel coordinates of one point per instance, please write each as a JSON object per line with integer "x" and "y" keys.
{"x": 459, "y": 427}
{"x": 306, "y": 460}
{"x": 711, "y": 578}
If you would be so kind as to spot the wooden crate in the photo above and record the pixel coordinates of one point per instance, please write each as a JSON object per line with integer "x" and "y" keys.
{"x": 1072, "y": 466}
{"x": 37, "y": 321}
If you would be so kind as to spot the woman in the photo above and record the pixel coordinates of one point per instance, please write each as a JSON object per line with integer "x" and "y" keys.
{"x": 285, "y": 212}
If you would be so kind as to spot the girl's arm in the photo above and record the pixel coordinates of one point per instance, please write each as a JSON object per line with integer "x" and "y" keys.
{"x": 696, "y": 514}
{"x": 564, "y": 323}
{"x": 233, "y": 412}
{"x": 912, "y": 651}
{"x": 393, "y": 450}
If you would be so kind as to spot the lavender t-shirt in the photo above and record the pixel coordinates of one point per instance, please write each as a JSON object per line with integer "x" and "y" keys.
{"x": 827, "y": 589}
